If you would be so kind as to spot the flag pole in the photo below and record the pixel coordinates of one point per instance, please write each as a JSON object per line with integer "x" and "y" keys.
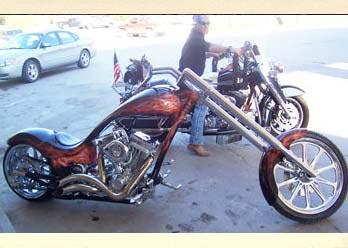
{"x": 118, "y": 77}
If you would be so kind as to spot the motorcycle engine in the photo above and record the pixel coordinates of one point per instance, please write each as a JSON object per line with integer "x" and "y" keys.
{"x": 123, "y": 155}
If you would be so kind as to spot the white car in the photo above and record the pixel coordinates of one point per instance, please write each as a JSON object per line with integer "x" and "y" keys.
{"x": 29, "y": 54}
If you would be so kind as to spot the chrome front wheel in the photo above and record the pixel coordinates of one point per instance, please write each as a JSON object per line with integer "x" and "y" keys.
{"x": 18, "y": 163}
{"x": 299, "y": 116}
{"x": 300, "y": 196}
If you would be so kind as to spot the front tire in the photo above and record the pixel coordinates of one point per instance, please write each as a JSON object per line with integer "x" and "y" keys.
{"x": 15, "y": 167}
{"x": 295, "y": 194}
{"x": 31, "y": 71}
{"x": 299, "y": 118}
{"x": 84, "y": 59}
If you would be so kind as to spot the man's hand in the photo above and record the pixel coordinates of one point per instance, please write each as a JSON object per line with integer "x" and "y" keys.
{"x": 237, "y": 51}
{"x": 211, "y": 54}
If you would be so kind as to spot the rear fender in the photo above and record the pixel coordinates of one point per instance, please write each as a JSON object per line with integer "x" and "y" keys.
{"x": 32, "y": 135}
{"x": 44, "y": 140}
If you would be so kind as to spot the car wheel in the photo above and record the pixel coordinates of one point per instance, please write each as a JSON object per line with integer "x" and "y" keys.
{"x": 85, "y": 59}
{"x": 31, "y": 71}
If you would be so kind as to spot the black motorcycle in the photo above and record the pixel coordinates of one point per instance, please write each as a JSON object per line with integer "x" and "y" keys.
{"x": 277, "y": 108}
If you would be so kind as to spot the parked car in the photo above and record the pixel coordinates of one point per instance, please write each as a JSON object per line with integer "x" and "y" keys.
{"x": 141, "y": 27}
{"x": 29, "y": 54}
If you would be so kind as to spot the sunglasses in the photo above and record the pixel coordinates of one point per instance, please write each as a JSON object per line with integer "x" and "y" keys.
{"x": 204, "y": 23}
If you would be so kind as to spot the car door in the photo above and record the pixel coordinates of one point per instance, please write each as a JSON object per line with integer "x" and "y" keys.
{"x": 70, "y": 47}
{"x": 50, "y": 54}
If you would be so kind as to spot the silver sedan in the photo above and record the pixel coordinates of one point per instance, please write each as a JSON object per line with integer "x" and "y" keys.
{"x": 29, "y": 54}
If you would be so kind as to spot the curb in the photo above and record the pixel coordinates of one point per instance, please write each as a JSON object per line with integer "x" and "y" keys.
{"x": 5, "y": 224}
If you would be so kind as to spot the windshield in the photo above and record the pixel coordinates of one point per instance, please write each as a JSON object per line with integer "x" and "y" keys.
{"x": 24, "y": 41}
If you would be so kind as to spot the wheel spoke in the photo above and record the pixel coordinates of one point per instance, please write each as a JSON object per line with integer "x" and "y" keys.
{"x": 287, "y": 182}
{"x": 295, "y": 193}
{"x": 326, "y": 182}
{"x": 307, "y": 196}
{"x": 304, "y": 153}
{"x": 317, "y": 190}
{"x": 316, "y": 159}
{"x": 321, "y": 170}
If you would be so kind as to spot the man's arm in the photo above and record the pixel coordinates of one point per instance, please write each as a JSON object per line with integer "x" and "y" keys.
{"x": 214, "y": 48}
{"x": 211, "y": 54}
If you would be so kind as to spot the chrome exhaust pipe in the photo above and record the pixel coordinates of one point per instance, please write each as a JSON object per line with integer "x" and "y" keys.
{"x": 95, "y": 185}
{"x": 78, "y": 188}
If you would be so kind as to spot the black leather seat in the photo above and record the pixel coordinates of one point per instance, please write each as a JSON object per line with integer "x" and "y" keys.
{"x": 66, "y": 139}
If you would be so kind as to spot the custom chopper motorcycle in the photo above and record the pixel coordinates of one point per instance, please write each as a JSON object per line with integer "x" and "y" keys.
{"x": 303, "y": 175}
{"x": 277, "y": 108}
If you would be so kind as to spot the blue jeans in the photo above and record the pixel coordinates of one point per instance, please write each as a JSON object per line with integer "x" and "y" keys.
{"x": 196, "y": 137}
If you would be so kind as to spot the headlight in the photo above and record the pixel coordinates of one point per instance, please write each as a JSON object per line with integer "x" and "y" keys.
{"x": 8, "y": 62}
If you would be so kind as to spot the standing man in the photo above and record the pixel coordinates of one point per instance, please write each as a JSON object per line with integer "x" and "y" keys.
{"x": 193, "y": 56}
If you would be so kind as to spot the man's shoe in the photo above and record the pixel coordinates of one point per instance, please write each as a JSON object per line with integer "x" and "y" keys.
{"x": 199, "y": 150}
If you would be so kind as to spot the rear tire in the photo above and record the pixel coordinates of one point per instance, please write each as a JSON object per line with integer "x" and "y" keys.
{"x": 31, "y": 71}
{"x": 84, "y": 59}
{"x": 15, "y": 166}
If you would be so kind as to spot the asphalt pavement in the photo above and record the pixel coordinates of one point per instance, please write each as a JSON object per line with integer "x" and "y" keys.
{"x": 220, "y": 193}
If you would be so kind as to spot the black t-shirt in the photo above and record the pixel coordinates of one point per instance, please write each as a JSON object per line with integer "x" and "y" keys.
{"x": 193, "y": 53}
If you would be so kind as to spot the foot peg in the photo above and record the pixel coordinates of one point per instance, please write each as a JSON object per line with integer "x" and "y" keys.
{"x": 165, "y": 175}
{"x": 170, "y": 185}
{"x": 170, "y": 162}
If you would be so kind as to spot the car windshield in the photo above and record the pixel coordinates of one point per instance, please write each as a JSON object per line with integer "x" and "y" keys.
{"x": 24, "y": 41}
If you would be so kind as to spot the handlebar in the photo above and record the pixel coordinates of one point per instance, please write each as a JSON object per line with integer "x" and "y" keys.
{"x": 215, "y": 60}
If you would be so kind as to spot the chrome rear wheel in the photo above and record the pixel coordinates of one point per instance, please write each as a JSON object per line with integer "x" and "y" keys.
{"x": 16, "y": 166}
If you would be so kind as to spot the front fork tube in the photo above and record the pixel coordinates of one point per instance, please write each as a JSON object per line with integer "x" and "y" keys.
{"x": 241, "y": 120}
{"x": 280, "y": 100}
{"x": 261, "y": 132}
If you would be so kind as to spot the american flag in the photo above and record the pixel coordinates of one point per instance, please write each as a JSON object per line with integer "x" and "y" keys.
{"x": 117, "y": 69}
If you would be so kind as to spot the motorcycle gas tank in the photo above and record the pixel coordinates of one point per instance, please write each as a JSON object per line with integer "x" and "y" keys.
{"x": 158, "y": 100}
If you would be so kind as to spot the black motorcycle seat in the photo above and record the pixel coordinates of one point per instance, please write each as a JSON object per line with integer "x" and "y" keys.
{"x": 66, "y": 139}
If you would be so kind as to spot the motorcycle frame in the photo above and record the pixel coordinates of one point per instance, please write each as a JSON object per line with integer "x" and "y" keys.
{"x": 251, "y": 130}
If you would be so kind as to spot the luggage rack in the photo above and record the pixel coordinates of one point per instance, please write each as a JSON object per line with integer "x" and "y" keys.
{"x": 120, "y": 86}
